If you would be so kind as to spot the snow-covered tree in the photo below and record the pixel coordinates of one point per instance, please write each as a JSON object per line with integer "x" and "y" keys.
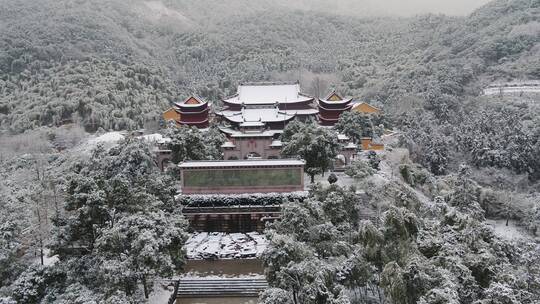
{"x": 275, "y": 296}
{"x": 355, "y": 125}
{"x": 317, "y": 146}
{"x": 189, "y": 143}
{"x": 359, "y": 169}
{"x": 120, "y": 214}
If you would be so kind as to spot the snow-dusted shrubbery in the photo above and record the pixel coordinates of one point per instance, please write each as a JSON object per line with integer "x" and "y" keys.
{"x": 254, "y": 199}
{"x": 359, "y": 169}
{"x": 418, "y": 251}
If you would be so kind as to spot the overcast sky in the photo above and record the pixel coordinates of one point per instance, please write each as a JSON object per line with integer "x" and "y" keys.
{"x": 450, "y": 7}
{"x": 393, "y": 7}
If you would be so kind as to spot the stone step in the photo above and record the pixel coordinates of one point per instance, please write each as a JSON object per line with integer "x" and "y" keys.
{"x": 226, "y": 287}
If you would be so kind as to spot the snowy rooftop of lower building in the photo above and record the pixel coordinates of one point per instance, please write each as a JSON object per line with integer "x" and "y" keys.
{"x": 351, "y": 146}
{"x": 228, "y": 144}
{"x": 342, "y": 137}
{"x": 241, "y": 163}
{"x": 276, "y": 143}
{"x": 256, "y": 133}
{"x": 218, "y": 245}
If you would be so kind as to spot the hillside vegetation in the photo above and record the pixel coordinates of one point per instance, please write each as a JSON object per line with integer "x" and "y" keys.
{"x": 103, "y": 62}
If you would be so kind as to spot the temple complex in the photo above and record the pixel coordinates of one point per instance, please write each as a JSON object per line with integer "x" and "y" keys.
{"x": 254, "y": 118}
{"x": 229, "y": 202}
{"x": 331, "y": 107}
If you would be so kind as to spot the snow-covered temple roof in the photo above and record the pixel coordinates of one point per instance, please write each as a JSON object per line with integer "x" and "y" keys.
{"x": 255, "y": 116}
{"x": 255, "y": 133}
{"x": 228, "y": 144}
{"x": 335, "y": 98}
{"x": 268, "y": 93}
{"x": 192, "y": 101}
{"x": 252, "y": 124}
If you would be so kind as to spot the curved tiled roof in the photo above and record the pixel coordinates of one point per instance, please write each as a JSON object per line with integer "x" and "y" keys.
{"x": 268, "y": 93}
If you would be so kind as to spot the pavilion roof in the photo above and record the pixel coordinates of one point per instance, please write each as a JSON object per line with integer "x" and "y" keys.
{"x": 192, "y": 101}
{"x": 334, "y": 98}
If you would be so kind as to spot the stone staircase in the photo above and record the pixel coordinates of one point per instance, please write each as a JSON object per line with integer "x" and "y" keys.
{"x": 220, "y": 287}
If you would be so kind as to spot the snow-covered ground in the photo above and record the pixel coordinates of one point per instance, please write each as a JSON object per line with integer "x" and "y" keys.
{"x": 108, "y": 140}
{"x": 161, "y": 293}
{"x": 343, "y": 180}
{"x": 155, "y": 138}
{"x": 47, "y": 259}
{"x": 510, "y": 233}
{"x": 219, "y": 245}
{"x": 110, "y": 137}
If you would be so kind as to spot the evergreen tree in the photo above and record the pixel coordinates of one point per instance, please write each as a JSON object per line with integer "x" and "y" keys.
{"x": 189, "y": 143}
{"x": 120, "y": 222}
{"x": 317, "y": 146}
{"x": 355, "y": 125}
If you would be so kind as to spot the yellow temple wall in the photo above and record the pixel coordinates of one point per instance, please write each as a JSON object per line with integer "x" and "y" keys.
{"x": 171, "y": 114}
{"x": 368, "y": 145}
{"x": 365, "y": 108}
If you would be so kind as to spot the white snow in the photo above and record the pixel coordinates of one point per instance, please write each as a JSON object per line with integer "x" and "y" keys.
{"x": 107, "y": 139}
{"x": 219, "y": 245}
{"x": 47, "y": 259}
{"x": 344, "y": 180}
{"x": 110, "y": 137}
{"x": 161, "y": 293}
{"x": 510, "y": 232}
{"x": 155, "y": 138}
{"x": 268, "y": 93}
{"x": 343, "y": 137}
{"x": 276, "y": 143}
{"x": 228, "y": 144}
{"x": 270, "y": 114}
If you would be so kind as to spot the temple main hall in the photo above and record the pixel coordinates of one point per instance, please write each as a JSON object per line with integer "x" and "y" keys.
{"x": 269, "y": 105}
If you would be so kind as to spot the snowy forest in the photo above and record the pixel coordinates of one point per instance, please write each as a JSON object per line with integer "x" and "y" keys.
{"x": 86, "y": 216}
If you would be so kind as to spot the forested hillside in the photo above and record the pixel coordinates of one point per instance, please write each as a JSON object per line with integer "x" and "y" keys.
{"x": 102, "y": 62}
